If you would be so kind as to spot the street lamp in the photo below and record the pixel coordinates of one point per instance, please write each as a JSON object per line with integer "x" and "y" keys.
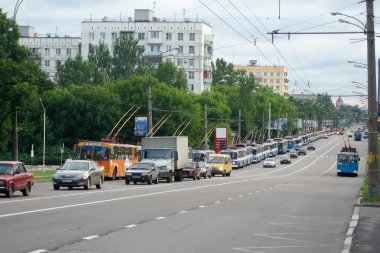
{"x": 150, "y": 108}
{"x": 345, "y": 21}
{"x": 358, "y": 64}
{"x": 43, "y": 152}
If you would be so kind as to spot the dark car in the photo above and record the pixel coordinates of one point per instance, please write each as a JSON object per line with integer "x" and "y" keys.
{"x": 192, "y": 170}
{"x": 311, "y": 147}
{"x": 14, "y": 177}
{"x": 285, "y": 159}
{"x": 142, "y": 172}
{"x": 302, "y": 151}
{"x": 78, "y": 173}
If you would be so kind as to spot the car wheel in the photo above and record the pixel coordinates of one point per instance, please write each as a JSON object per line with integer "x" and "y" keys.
{"x": 195, "y": 177}
{"x": 229, "y": 174}
{"x": 134, "y": 182}
{"x": 26, "y": 191}
{"x": 70, "y": 187}
{"x": 88, "y": 185}
{"x": 209, "y": 176}
{"x": 205, "y": 176}
{"x": 114, "y": 173}
{"x": 199, "y": 177}
{"x": 127, "y": 181}
{"x": 56, "y": 187}
{"x": 213, "y": 174}
{"x": 169, "y": 179}
{"x": 149, "y": 180}
{"x": 224, "y": 174}
{"x": 9, "y": 192}
{"x": 156, "y": 181}
{"x": 99, "y": 186}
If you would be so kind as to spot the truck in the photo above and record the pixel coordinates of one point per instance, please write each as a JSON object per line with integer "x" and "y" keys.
{"x": 169, "y": 153}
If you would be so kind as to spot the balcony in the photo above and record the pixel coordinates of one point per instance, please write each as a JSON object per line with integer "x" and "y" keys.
{"x": 207, "y": 67}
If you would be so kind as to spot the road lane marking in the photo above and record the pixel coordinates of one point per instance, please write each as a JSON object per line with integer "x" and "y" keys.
{"x": 90, "y": 237}
{"x": 202, "y": 206}
{"x": 182, "y": 211}
{"x": 38, "y": 251}
{"x": 217, "y": 202}
{"x": 160, "y": 218}
{"x": 131, "y": 226}
{"x": 158, "y": 193}
{"x": 281, "y": 238}
{"x": 240, "y": 196}
{"x": 254, "y": 249}
{"x": 327, "y": 171}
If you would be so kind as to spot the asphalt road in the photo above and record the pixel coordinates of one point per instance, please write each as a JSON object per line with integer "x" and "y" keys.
{"x": 296, "y": 208}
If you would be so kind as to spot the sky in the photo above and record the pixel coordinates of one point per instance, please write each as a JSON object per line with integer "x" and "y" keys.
{"x": 316, "y": 63}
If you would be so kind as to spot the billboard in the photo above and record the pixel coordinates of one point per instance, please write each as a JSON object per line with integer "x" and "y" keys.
{"x": 141, "y": 126}
{"x": 221, "y": 139}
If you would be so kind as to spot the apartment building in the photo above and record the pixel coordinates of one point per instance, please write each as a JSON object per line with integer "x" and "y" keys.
{"x": 49, "y": 51}
{"x": 274, "y": 77}
{"x": 188, "y": 44}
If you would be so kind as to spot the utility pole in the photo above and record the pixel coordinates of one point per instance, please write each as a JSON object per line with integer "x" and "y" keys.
{"x": 239, "y": 130}
{"x": 269, "y": 126}
{"x": 15, "y": 135}
{"x": 373, "y": 170}
{"x": 206, "y": 131}
{"x": 150, "y": 119}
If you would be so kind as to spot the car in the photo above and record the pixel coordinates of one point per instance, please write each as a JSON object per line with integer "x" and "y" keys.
{"x": 293, "y": 153}
{"x": 205, "y": 170}
{"x": 311, "y": 146}
{"x": 14, "y": 177}
{"x": 142, "y": 172}
{"x": 301, "y": 151}
{"x": 325, "y": 136}
{"x": 220, "y": 164}
{"x": 297, "y": 147}
{"x": 192, "y": 170}
{"x": 365, "y": 135}
{"x": 350, "y": 135}
{"x": 78, "y": 173}
{"x": 285, "y": 159}
{"x": 269, "y": 162}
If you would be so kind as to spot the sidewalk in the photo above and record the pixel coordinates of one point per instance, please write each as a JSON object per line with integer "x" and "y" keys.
{"x": 366, "y": 238}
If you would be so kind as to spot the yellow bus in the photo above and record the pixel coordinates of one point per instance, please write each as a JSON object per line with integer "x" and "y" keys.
{"x": 114, "y": 158}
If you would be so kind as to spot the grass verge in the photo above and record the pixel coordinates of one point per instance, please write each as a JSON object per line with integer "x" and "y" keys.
{"x": 45, "y": 176}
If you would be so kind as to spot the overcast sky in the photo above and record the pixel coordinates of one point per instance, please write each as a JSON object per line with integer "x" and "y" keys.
{"x": 316, "y": 63}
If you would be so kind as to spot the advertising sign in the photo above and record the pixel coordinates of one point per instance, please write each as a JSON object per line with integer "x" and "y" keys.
{"x": 221, "y": 139}
{"x": 141, "y": 126}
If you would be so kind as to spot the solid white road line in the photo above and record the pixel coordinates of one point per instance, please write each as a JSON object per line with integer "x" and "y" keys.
{"x": 90, "y": 237}
{"x": 38, "y": 251}
{"x": 131, "y": 226}
{"x": 160, "y": 218}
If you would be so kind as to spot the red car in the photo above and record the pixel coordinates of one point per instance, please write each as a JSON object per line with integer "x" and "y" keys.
{"x": 14, "y": 177}
{"x": 192, "y": 170}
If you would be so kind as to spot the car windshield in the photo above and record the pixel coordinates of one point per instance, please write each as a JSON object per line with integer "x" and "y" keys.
{"x": 157, "y": 154}
{"x": 269, "y": 159}
{"x": 192, "y": 165}
{"x": 82, "y": 166}
{"x": 140, "y": 166}
{"x": 6, "y": 169}
{"x": 215, "y": 159}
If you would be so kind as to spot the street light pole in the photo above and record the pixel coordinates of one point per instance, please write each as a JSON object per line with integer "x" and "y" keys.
{"x": 373, "y": 170}
{"x": 43, "y": 152}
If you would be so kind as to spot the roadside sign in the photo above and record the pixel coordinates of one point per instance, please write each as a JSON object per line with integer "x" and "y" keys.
{"x": 141, "y": 126}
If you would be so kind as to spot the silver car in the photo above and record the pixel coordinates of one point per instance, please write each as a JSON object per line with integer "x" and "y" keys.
{"x": 78, "y": 173}
{"x": 142, "y": 172}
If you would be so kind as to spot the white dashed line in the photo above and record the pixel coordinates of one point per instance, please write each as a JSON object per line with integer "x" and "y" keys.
{"x": 230, "y": 198}
{"x": 250, "y": 193}
{"x": 240, "y": 196}
{"x": 160, "y": 218}
{"x": 131, "y": 226}
{"x": 217, "y": 202}
{"x": 38, "y": 251}
{"x": 90, "y": 237}
{"x": 202, "y": 206}
{"x": 258, "y": 191}
{"x": 183, "y": 212}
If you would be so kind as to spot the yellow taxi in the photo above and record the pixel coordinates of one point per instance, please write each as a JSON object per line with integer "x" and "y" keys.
{"x": 220, "y": 164}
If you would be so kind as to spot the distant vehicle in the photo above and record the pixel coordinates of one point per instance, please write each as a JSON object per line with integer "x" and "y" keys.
{"x": 349, "y": 135}
{"x": 220, "y": 164}
{"x": 269, "y": 162}
{"x": 365, "y": 135}
{"x": 297, "y": 147}
{"x": 78, "y": 173}
{"x": 285, "y": 159}
{"x": 142, "y": 172}
{"x": 325, "y": 136}
{"x": 14, "y": 177}
{"x": 358, "y": 136}
{"x": 293, "y": 153}
{"x": 192, "y": 170}
{"x": 205, "y": 170}
{"x": 310, "y": 146}
{"x": 348, "y": 161}
{"x": 302, "y": 151}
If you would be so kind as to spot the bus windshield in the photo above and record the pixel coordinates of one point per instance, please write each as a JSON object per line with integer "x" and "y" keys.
{"x": 348, "y": 158}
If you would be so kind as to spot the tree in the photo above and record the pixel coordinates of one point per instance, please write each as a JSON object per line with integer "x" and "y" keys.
{"x": 20, "y": 78}
{"x": 168, "y": 73}
{"x": 100, "y": 58}
{"x": 223, "y": 72}
{"x": 75, "y": 71}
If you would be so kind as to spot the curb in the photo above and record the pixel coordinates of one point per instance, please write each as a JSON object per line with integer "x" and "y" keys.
{"x": 351, "y": 228}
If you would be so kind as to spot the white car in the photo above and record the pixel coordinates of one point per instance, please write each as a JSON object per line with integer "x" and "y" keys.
{"x": 269, "y": 162}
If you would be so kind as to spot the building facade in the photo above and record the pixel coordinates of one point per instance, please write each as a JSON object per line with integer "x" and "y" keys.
{"x": 49, "y": 51}
{"x": 274, "y": 77}
{"x": 188, "y": 44}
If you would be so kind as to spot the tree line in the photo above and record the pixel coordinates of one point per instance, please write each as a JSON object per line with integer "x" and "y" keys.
{"x": 89, "y": 96}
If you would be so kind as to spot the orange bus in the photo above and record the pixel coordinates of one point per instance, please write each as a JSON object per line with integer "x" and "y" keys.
{"x": 114, "y": 158}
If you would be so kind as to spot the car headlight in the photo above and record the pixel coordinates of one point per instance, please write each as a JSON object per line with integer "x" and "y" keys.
{"x": 163, "y": 168}
{"x": 56, "y": 176}
{"x": 2, "y": 183}
{"x": 144, "y": 174}
{"x": 82, "y": 176}
{"x": 220, "y": 168}
{"x": 128, "y": 174}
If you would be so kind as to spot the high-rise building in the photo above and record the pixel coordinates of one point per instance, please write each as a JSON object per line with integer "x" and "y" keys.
{"x": 274, "y": 77}
{"x": 188, "y": 44}
{"x": 49, "y": 51}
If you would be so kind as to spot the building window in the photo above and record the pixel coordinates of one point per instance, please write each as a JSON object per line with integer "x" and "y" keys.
{"x": 102, "y": 35}
{"x": 47, "y": 51}
{"x": 68, "y": 51}
{"x": 180, "y": 49}
{"x": 265, "y": 73}
{"x": 91, "y": 36}
{"x": 180, "y": 36}
{"x": 57, "y": 63}
{"x": 155, "y": 35}
{"x": 271, "y": 80}
{"x": 192, "y": 36}
{"x": 265, "y": 80}
{"x": 168, "y": 36}
{"x": 179, "y": 62}
{"x": 278, "y": 74}
{"x": 155, "y": 48}
{"x": 191, "y": 75}
{"x": 114, "y": 36}
{"x": 191, "y": 62}
{"x": 141, "y": 49}
{"x": 47, "y": 63}
{"x": 278, "y": 81}
{"x": 141, "y": 36}
{"x": 271, "y": 74}
{"x": 191, "y": 49}
{"x": 58, "y": 51}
